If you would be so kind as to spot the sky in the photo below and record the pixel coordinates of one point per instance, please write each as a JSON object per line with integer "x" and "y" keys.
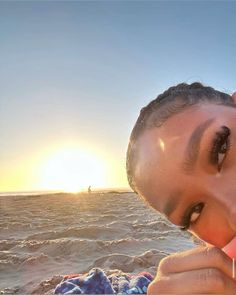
{"x": 75, "y": 74}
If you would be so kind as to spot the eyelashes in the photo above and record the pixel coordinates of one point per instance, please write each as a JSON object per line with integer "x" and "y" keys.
{"x": 186, "y": 221}
{"x": 220, "y": 147}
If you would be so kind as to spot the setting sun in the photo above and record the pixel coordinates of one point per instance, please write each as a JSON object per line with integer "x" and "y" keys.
{"x": 72, "y": 170}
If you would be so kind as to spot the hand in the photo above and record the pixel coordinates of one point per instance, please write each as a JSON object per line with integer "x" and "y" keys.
{"x": 203, "y": 270}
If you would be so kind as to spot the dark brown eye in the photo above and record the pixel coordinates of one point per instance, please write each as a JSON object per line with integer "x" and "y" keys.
{"x": 196, "y": 213}
{"x": 192, "y": 216}
{"x": 220, "y": 147}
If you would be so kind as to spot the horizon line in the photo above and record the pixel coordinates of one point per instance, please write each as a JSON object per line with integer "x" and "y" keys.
{"x": 95, "y": 189}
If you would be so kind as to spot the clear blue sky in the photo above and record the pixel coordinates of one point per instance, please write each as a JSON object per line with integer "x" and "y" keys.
{"x": 81, "y": 71}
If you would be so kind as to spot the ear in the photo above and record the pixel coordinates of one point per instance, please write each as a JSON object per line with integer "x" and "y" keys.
{"x": 234, "y": 97}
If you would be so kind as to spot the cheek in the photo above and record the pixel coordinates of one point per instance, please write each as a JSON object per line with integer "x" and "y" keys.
{"x": 210, "y": 236}
{"x": 214, "y": 230}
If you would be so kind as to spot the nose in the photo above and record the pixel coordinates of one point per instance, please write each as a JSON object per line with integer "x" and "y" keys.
{"x": 226, "y": 196}
{"x": 223, "y": 194}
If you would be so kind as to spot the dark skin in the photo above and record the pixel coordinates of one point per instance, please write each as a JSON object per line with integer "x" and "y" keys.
{"x": 186, "y": 169}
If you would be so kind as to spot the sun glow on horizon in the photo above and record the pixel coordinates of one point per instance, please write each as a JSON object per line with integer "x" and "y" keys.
{"x": 72, "y": 170}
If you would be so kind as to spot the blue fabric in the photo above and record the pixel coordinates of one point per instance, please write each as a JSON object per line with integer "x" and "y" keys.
{"x": 97, "y": 282}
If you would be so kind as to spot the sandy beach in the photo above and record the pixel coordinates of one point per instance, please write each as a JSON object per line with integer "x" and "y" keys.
{"x": 43, "y": 237}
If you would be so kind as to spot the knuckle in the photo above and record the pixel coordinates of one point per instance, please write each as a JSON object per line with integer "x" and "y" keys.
{"x": 213, "y": 252}
{"x": 216, "y": 255}
{"x": 214, "y": 278}
{"x": 165, "y": 264}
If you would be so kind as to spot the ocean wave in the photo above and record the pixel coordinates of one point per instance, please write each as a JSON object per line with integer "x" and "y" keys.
{"x": 129, "y": 263}
{"x": 65, "y": 247}
{"x": 80, "y": 248}
{"x": 33, "y": 261}
{"x": 9, "y": 260}
{"x": 15, "y": 226}
{"x": 160, "y": 225}
{"x": 6, "y": 245}
{"x": 59, "y": 247}
{"x": 89, "y": 232}
{"x": 68, "y": 233}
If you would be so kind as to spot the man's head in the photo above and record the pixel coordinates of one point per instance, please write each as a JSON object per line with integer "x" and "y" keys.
{"x": 179, "y": 161}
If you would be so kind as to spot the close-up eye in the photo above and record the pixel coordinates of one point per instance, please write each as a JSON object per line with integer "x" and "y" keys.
{"x": 191, "y": 216}
{"x": 220, "y": 147}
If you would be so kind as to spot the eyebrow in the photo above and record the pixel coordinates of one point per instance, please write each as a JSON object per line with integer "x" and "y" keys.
{"x": 193, "y": 147}
{"x": 191, "y": 156}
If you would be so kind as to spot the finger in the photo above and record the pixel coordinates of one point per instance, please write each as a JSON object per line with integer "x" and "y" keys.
{"x": 198, "y": 258}
{"x": 202, "y": 281}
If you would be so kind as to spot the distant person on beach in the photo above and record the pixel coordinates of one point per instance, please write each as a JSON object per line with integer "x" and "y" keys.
{"x": 181, "y": 160}
{"x": 89, "y": 189}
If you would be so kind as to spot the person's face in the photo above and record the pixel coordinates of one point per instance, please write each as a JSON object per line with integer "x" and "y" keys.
{"x": 186, "y": 169}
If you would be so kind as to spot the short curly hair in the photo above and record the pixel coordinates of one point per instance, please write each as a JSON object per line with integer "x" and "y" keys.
{"x": 172, "y": 101}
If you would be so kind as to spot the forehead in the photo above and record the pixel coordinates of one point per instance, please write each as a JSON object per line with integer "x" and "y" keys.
{"x": 161, "y": 151}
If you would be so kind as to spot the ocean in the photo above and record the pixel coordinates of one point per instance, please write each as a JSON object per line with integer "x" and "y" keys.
{"x": 43, "y": 237}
